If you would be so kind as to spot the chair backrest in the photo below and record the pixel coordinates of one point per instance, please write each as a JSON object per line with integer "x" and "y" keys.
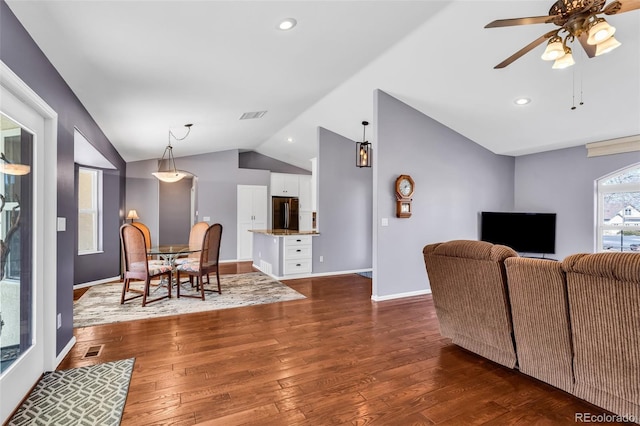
{"x": 604, "y": 300}
{"x": 211, "y": 246}
{"x": 196, "y": 236}
{"x": 469, "y": 289}
{"x": 541, "y": 326}
{"x": 145, "y": 231}
{"x": 134, "y": 251}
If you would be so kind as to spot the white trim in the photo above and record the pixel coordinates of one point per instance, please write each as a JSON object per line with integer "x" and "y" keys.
{"x": 613, "y": 146}
{"x": 401, "y": 295}
{"x": 63, "y": 353}
{"x": 96, "y": 282}
{"x": 45, "y": 183}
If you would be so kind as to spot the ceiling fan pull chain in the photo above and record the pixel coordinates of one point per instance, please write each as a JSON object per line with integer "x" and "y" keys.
{"x": 573, "y": 89}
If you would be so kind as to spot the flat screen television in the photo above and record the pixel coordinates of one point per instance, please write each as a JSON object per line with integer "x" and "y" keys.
{"x": 523, "y": 232}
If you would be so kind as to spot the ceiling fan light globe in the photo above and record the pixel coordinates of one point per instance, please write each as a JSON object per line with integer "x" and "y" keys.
{"x": 564, "y": 61}
{"x": 607, "y": 46}
{"x": 600, "y": 31}
{"x": 554, "y": 50}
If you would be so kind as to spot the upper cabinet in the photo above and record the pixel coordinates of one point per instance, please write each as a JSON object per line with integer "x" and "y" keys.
{"x": 284, "y": 185}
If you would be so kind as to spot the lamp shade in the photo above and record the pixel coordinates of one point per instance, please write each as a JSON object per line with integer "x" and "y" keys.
{"x": 599, "y": 31}
{"x": 564, "y": 61}
{"x": 170, "y": 176}
{"x": 607, "y": 46}
{"x": 554, "y": 49}
{"x": 133, "y": 214}
{"x": 14, "y": 169}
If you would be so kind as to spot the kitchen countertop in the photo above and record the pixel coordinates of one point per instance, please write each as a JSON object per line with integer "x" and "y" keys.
{"x": 282, "y": 232}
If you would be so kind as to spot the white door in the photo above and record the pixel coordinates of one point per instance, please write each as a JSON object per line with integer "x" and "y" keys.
{"x": 27, "y": 293}
{"x": 252, "y": 214}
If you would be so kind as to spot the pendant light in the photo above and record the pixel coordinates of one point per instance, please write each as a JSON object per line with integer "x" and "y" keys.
{"x": 363, "y": 149}
{"x": 15, "y": 169}
{"x": 171, "y": 174}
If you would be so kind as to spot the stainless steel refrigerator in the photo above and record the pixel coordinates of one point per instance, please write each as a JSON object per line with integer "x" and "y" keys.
{"x": 285, "y": 213}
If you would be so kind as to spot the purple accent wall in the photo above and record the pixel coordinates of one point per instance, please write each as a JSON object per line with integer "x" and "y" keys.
{"x": 563, "y": 182}
{"x": 345, "y": 202}
{"x": 255, "y": 160}
{"x": 20, "y": 53}
{"x": 455, "y": 179}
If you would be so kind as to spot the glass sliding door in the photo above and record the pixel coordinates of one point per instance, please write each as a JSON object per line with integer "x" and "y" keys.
{"x": 16, "y": 242}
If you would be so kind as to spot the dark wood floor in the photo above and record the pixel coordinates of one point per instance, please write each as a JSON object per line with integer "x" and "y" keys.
{"x": 333, "y": 358}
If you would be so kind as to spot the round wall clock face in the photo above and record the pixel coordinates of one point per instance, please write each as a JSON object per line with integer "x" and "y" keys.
{"x": 405, "y": 187}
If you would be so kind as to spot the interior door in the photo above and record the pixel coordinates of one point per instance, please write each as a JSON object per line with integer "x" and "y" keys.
{"x": 22, "y": 337}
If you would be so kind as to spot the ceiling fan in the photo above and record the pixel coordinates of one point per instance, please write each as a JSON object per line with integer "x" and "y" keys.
{"x": 577, "y": 19}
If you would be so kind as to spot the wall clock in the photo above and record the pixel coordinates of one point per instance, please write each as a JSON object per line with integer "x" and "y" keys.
{"x": 405, "y": 187}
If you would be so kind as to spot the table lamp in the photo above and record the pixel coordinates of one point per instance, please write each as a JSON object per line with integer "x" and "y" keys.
{"x": 132, "y": 215}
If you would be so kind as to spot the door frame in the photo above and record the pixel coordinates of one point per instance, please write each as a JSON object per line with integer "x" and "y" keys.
{"x": 45, "y": 241}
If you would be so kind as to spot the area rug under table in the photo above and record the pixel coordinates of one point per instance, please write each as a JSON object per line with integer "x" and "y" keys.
{"x": 101, "y": 303}
{"x": 93, "y": 395}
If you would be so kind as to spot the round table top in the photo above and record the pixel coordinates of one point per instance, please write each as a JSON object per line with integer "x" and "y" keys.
{"x": 173, "y": 249}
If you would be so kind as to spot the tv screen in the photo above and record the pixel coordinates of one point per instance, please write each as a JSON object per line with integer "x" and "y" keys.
{"x": 523, "y": 232}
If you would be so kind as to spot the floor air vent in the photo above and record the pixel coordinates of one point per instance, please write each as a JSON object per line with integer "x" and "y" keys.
{"x": 93, "y": 351}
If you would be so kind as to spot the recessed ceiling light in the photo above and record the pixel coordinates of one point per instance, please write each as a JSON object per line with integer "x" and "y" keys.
{"x": 290, "y": 140}
{"x": 522, "y": 101}
{"x": 287, "y": 24}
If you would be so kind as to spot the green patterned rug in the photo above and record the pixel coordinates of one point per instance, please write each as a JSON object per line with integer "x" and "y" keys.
{"x": 101, "y": 303}
{"x": 84, "y": 396}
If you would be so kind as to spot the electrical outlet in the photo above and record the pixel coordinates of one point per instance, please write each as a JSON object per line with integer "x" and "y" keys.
{"x": 259, "y": 255}
{"x": 321, "y": 259}
{"x": 59, "y": 320}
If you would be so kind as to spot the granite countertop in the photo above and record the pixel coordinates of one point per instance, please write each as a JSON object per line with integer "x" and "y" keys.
{"x": 282, "y": 232}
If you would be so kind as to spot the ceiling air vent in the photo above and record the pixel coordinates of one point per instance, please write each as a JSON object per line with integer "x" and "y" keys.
{"x": 250, "y": 115}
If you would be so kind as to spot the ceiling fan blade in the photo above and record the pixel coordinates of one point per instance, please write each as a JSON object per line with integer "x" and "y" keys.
{"x": 521, "y": 21}
{"x": 621, "y": 6}
{"x": 537, "y": 42}
{"x": 589, "y": 48}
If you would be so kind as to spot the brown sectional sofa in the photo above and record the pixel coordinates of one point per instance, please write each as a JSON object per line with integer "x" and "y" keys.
{"x": 573, "y": 324}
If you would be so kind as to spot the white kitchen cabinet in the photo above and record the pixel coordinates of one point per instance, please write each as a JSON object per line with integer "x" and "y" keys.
{"x": 305, "y": 220}
{"x": 252, "y": 214}
{"x": 284, "y": 185}
{"x": 297, "y": 255}
{"x": 304, "y": 193}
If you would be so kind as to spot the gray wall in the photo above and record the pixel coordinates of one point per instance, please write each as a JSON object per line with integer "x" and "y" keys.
{"x": 345, "y": 200}
{"x": 174, "y": 217}
{"x": 23, "y": 56}
{"x": 455, "y": 179}
{"x": 255, "y": 160}
{"x": 563, "y": 182}
{"x": 218, "y": 176}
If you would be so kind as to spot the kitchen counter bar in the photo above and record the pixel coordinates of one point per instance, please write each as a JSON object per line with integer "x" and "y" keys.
{"x": 282, "y": 232}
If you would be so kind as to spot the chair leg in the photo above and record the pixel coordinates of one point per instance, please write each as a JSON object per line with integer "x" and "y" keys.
{"x": 170, "y": 283}
{"x": 218, "y": 279}
{"x": 178, "y": 286}
{"x": 201, "y": 284}
{"x": 125, "y": 288}
{"x": 147, "y": 283}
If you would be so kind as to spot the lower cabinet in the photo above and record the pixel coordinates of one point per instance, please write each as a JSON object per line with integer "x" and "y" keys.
{"x": 297, "y": 256}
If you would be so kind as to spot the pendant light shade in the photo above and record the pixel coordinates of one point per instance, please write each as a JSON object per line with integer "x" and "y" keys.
{"x": 599, "y": 31}
{"x": 564, "y": 61}
{"x": 363, "y": 149}
{"x": 607, "y": 46}
{"x": 554, "y": 50}
{"x": 170, "y": 173}
{"x": 15, "y": 169}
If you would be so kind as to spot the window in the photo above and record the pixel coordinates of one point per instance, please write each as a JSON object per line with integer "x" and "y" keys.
{"x": 618, "y": 227}
{"x": 89, "y": 210}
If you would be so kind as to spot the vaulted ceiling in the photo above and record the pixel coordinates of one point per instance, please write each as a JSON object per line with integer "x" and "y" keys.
{"x": 142, "y": 68}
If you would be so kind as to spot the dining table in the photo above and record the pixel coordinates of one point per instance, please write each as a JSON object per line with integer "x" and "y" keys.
{"x": 169, "y": 253}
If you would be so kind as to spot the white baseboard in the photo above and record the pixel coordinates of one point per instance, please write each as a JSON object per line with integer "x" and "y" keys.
{"x": 401, "y": 295}
{"x": 65, "y": 351}
{"x": 102, "y": 281}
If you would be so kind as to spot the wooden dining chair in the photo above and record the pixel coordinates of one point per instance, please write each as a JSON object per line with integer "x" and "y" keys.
{"x": 208, "y": 262}
{"x": 138, "y": 267}
{"x": 147, "y": 239}
{"x": 196, "y": 236}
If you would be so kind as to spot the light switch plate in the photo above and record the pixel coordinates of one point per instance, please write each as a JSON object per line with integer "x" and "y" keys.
{"x": 62, "y": 224}
{"x": 384, "y": 221}
{"x": 206, "y": 218}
